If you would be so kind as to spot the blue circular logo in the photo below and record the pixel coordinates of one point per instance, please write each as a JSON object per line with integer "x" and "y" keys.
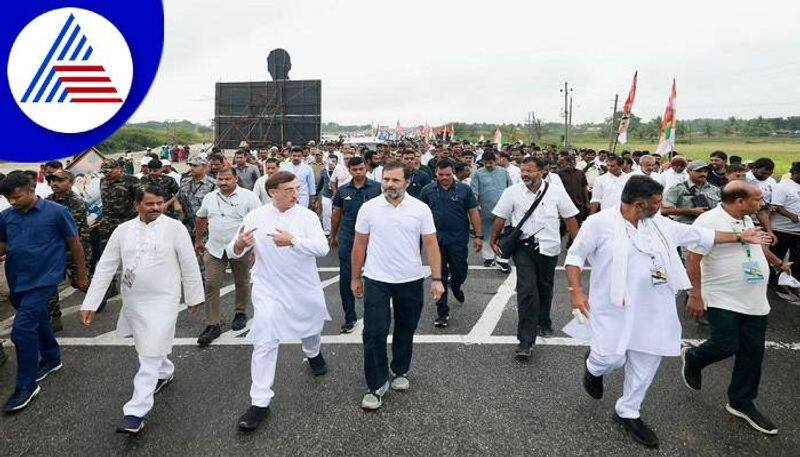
{"x": 74, "y": 75}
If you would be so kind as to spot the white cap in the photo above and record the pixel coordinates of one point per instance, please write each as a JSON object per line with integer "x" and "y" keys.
{"x": 165, "y": 163}
{"x": 145, "y": 160}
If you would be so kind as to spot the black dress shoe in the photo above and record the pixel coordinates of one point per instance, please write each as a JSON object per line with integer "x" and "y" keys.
{"x": 692, "y": 376}
{"x": 252, "y": 418}
{"x": 523, "y": 352}
{"x": 591, "y": 383}
{"x": 239, "y": 321}
{"x": 348, "y": 327}
{"x": 638, "y": 430}
{"x": 318, "y": 365}
{"x": 210, "y": 334}
{"x": 458, "y": 294}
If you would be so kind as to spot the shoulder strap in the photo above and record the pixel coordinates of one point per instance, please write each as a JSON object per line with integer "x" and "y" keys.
{"x": 534, "y": 205}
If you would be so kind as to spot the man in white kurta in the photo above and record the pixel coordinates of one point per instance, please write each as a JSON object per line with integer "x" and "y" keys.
{"x": 636, "y": 272}
{"x": 288, "y": 300}
{"x": 157, "y": 257}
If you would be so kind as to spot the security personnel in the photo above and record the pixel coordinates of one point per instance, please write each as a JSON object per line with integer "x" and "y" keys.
{"x": 418, "y": 178}
{"x": 454, "y": 207}
{"x": 155, "y": 175}
{"x": 346, "y": 203}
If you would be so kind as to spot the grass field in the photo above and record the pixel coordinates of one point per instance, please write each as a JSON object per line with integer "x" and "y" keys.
{"x": 783, "y": 151}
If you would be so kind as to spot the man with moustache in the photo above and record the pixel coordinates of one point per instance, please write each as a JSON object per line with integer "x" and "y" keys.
{"x": 488, "y": 183}
{"x": 636, "y": 273}
{"x": 260, "y": 187}
{"x": 157, "y": 259}
{"x": 304, "y": 174}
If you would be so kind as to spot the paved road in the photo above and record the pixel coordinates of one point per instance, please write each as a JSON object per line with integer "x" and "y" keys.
{"x": 469, "y": 396}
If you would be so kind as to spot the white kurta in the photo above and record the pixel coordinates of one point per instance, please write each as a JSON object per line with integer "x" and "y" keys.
{"x": 287, "y": 295}
{"x": 649, "y": 321}
{"x": 162, "y": 257}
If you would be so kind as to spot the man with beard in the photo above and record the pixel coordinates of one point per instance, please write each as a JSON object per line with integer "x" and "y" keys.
{"x": 304, "y": 173}
{"x": 488, "y": 184}
{"x": 717, "y": 161}
{"x": 636, "y": 272}
{"x": 387, "y": 232}
{"x": 539, "y": 246}
{"x": 157, "y": 258}
{"x": 61, "y": 183}
{"x": 288, "y": 299}
{"x": 608, "y": 187}
{"x": 155, "y": 175}
{"x": 246, "y": 172}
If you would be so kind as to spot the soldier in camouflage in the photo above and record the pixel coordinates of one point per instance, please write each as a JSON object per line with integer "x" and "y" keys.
{"x": 192, "y": 190}
{"x": 155, "y": 175}
{"x": 61, "y": 184}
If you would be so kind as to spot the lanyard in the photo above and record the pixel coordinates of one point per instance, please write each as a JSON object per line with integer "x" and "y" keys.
{"x": 745, "y": 244}
{"x": 227, "y": 201}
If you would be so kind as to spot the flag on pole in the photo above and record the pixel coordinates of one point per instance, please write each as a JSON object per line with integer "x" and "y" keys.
{"x": 666, "y": 143}
{"x": 626, "y": 112}
{"x": 498, "y": 138}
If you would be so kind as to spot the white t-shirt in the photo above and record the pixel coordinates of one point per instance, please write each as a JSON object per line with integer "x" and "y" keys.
{"x": 224, "y": 215}
{"x": 723, "y": 278}
{"x": 766, "y": 185}
{"x": 393, "y": 253}
{"x": 786, "y": 194}
{"x": 514, "y": 173}
{"x": 669, "y": 178}
{"x": 607, "y": 190}
{"x": 545, "y": 220}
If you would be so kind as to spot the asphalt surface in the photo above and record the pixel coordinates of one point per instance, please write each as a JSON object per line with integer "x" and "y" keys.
{"x": 465, "y": 399}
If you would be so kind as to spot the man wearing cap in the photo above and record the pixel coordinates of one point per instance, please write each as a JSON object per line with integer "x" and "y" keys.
{"x": 686, "y": 200}
{"x": 155, "y": 175}
{"x": 169, "y": 171}
{"x": 143, "y": 166}
{"x": 61, "y": 184}
{"x": 192, "y": 190}
{"x": 675, "y": 173}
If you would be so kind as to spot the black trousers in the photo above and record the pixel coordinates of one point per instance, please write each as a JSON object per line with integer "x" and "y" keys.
{"x": 740, "y": 335}
{"x": 535, "y": 274}
{"x": 787, "y": 242}
{"x": 454, "y": 271}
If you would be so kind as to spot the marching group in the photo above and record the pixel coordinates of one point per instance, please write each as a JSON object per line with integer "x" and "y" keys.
{"x": 721, "y": 230}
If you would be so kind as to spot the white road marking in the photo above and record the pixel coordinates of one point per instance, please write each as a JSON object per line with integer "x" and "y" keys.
{"x": 494, "y": 309}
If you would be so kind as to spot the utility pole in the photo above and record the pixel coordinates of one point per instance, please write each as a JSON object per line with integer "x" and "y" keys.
{"x": 611, "y": 127}
{"x": 570, "y": 111}
{"x": 567, "y": 112}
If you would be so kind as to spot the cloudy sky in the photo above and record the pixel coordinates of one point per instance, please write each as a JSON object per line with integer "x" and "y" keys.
{"x": 435, "y": 61}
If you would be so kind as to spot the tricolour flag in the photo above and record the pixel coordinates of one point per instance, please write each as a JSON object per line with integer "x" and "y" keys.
{"x": 626, "y": 112}
{"x": 666, "y": 143}
{"x": 498, "y": 138}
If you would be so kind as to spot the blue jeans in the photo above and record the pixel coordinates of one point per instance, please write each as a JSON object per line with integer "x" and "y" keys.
{"x": 348, "y": 299}
{"x": 407, "y": 305}
{"x": 32, "y": 333}
{"x": 454, "y": 270}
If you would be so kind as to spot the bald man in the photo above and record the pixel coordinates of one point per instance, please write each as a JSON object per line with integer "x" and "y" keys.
{"x": 729, "y": 285}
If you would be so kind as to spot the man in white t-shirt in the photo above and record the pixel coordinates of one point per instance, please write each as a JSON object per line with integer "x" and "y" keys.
{"x": 729, "y": 283}
{"x": 387, "y": 232}
{"x": 761, "y": 174}
{"x": 504, "y": 161}
{"x": 786, "y": 222}
{"x": 608, "y": 187}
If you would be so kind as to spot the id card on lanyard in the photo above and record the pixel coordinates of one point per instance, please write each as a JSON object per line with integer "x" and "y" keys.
{"x": 750, "y": 268}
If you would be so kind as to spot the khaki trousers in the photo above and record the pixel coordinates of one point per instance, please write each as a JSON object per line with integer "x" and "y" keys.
{"x": 215, "y": 273}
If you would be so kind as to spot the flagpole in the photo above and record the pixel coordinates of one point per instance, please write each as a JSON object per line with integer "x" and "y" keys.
{"x": 612, "y": 141}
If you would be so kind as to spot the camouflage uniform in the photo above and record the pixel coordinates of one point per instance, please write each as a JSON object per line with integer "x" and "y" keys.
{"x": 191, "y": 195}
{"x": 169, "y": 185}
{"x": 118, "y": 198}
{"x": 77, "y": 207}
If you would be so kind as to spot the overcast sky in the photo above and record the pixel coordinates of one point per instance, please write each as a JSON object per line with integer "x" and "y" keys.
{"x": 435, "y": 61}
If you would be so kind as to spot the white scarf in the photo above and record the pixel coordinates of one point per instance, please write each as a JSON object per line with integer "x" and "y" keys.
{"x": 677, "y": 279}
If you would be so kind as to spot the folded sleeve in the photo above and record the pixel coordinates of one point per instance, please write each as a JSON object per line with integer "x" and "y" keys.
{"x": 584, "y": 244}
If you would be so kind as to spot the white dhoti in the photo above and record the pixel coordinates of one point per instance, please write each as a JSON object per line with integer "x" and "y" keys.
{"x": 151, "y": 369}
{"x": 640, "y": 369}
{"x": 262, "y": 367}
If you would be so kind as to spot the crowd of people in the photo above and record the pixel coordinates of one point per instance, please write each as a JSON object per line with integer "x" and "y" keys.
{"x": 650, "y": 226}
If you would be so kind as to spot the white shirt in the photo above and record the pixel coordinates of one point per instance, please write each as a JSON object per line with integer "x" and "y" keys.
{"x": 340, "y": 175}
{"x": 544, "y": 222}
{"x": 654, "y": 175}
{"x": 304, "y": 174}
{"x": 514, "y": 173}
{"x": 162, "y": 258}
{"x": 4, "y": 204}
{"x": 174, "y": 175}
{"x": 723, "y": 281}
{"x": 607, "y": 189}
{"x": 393, "y": 253}
{"x": 288, "y": 300}
{"x": 377, "y": 174}
{"x": 260, "y": 189}
{"x": 766, "y": 185}
{"x": 669, "y": 178}
{"x": 649, "y": 322}
{"x": 553, "y": 178}
{"x": 43, "y": 190}
{"x": 224, "y": 215}
{"x": 786, "y": 194}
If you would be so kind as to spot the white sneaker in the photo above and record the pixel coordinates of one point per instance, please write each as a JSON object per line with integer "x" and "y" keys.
{"x": 400, "y": 383}
{"x": 374, "y": 400}
{"x": 786, "y": 295}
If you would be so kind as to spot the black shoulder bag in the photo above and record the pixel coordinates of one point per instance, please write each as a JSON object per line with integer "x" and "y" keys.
{"x": 509, "y": 239}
